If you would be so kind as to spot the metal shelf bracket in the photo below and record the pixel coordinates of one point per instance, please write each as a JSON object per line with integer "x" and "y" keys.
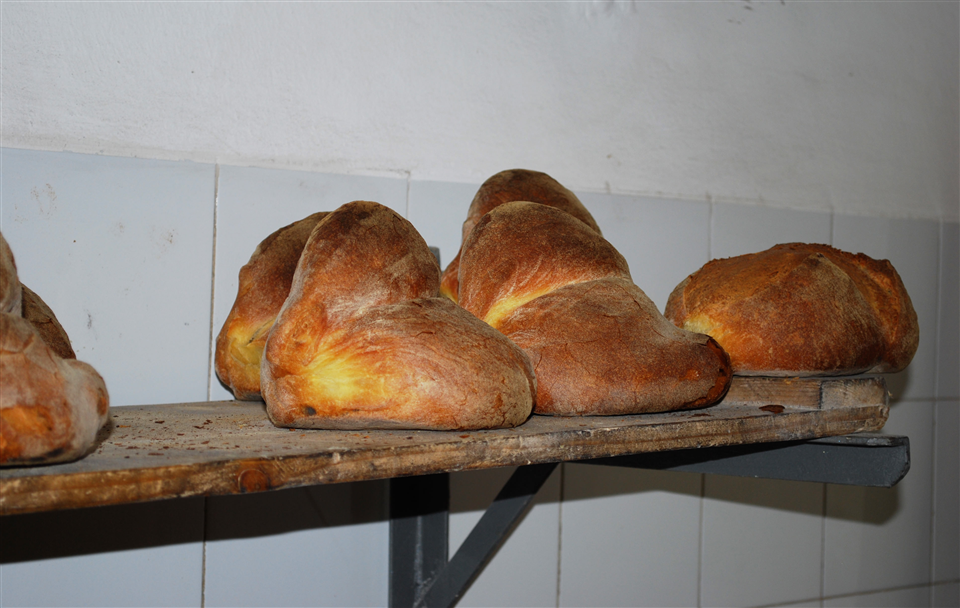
{"x": 421, "y": 576}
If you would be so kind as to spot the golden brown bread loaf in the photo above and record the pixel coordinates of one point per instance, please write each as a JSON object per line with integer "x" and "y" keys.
{"x": 264, "y": 285}
{"x": 50, "y": 407}
{"x": 801, "y": 309}
{"x": 365, "y": 341}
{"x": 564, "y": 294}
{"x": 506, "y": 187}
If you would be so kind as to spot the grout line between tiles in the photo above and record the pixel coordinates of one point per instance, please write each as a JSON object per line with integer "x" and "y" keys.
{"x": 406, "y": 213}
{"x": 710, "y": 232}
{"x": 563, "y": 471}
{"x": 933, "y": 496}
{"x": 938, "y": 339}
{"x": 703, "y": 493}
{"x": 936, "y": 392}
{"x": 213, "y": 281}
{"x": 823, "y": 544}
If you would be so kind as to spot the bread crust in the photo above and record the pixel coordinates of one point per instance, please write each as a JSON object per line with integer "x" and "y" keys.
{"x": 801, "y": 309}
{"x": 36, "y": 311}
{"x": 365, "y": 341}
{"x": 505, "y": 187}
{"x": 50, "y": 408}
{"x": 10, "y": 291}
{"x": 564, "y": 294}
{"x": 263, "y": 287}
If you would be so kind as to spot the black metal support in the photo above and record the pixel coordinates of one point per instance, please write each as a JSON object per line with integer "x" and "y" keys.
{"x": 420, "y": 575}
{"x": 487, "y": 536}
{"x": 864, "y": 459}
{"x": 419, "y": 518}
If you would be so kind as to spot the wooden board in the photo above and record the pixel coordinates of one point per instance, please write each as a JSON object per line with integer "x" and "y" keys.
{"x": 166, "y": 451}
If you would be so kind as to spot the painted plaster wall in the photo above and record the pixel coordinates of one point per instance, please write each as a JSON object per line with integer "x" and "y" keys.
{"x": 850, "y": 107}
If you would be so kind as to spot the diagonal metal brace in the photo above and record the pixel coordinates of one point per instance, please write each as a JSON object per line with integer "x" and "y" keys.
{"x": 445, "y": 585}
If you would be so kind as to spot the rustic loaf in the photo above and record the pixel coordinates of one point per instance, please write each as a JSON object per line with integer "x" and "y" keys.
{"x": 364, "y": 339}
{"x": 801, "y": 309}
{"x": 264, "y": 285}
{"x": 51, "y": 407}
{"x": 10, "y": 290}
{"x": 36, "y": 311}
{"x": 506, "y": 187}
{"x": 564, "y": 294}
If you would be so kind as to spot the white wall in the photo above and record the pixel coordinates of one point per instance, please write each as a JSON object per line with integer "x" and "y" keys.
{"x": 717, "y": 129}
{"x": 849, "y": 107}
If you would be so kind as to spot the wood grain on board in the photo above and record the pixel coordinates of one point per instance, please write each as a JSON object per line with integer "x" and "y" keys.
{"x": 228, "y": 447}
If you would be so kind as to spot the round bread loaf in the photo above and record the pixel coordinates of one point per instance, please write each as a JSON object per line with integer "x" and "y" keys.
{"x": 564, "y": 294}
{"x": 51, "y": 406}
{"x": 801, "y": 309}
{"x": 364, "y": 339}
{"x": 506, "y": 187}
{"x": 10, "y": 290}
{"x": 263, "y": 287}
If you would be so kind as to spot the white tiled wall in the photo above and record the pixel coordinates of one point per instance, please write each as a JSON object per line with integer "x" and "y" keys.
{"x": 139, "y": 259}
{"x": 630, "y": 537}
{"x": 534, "y": 544}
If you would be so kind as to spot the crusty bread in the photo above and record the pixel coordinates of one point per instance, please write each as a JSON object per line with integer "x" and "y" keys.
{"x": 10, "y": 290}
{"x": 36, "y": 311}
{"x": 264, "y": 285}
{"x": 506, "y": 187}
{"x": 801, "y": 309}
{"x": 51, "y": 407}
{"x": 564, "y": 294}
{"x": 365, "y": 341}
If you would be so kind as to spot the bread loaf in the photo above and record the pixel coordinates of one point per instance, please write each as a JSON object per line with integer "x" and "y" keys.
{"x": 800, "y": 310}
{"x": 365, "y": 341}
{"x": 564, "y": 294}
{"x": 38, "y": 314}
{"x": 10, "y": 290}
{"x": 505, "y": 187}
{"x": 51, "y": 407}
{"x": 264, "y": 285}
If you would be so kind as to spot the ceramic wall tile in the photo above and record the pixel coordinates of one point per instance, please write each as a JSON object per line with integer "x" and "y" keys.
{"x": 523, "y": 572}
{"x": 121, "y": 249}
{"x": 317, "y": 546}
{"x": 438, "y": 210}
{"x": 768, "y": 528}
{"x": 740, "y": 229}
{"x": 946, "y": 493}
{"x": 898, "y": 598}
{"x": 948, "y": 332}
{"x": 629, "y": 537}
{"x": 912, "y": 247}
{"x": 945, "y": 595}
{"x": 252, "y": 203}
{"x": 879, "y": 538}
{"x": 663, "y": 240}
{"x": 147, "y": 554}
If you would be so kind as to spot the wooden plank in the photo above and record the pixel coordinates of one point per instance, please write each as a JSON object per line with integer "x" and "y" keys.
{"x": 167, "y": 451}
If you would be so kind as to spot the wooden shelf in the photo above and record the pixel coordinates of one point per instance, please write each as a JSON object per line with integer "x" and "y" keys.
{"x": 210, "y": 448}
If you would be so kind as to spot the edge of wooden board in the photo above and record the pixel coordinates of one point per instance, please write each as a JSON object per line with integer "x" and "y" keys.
{"x": 843, "y": 406}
